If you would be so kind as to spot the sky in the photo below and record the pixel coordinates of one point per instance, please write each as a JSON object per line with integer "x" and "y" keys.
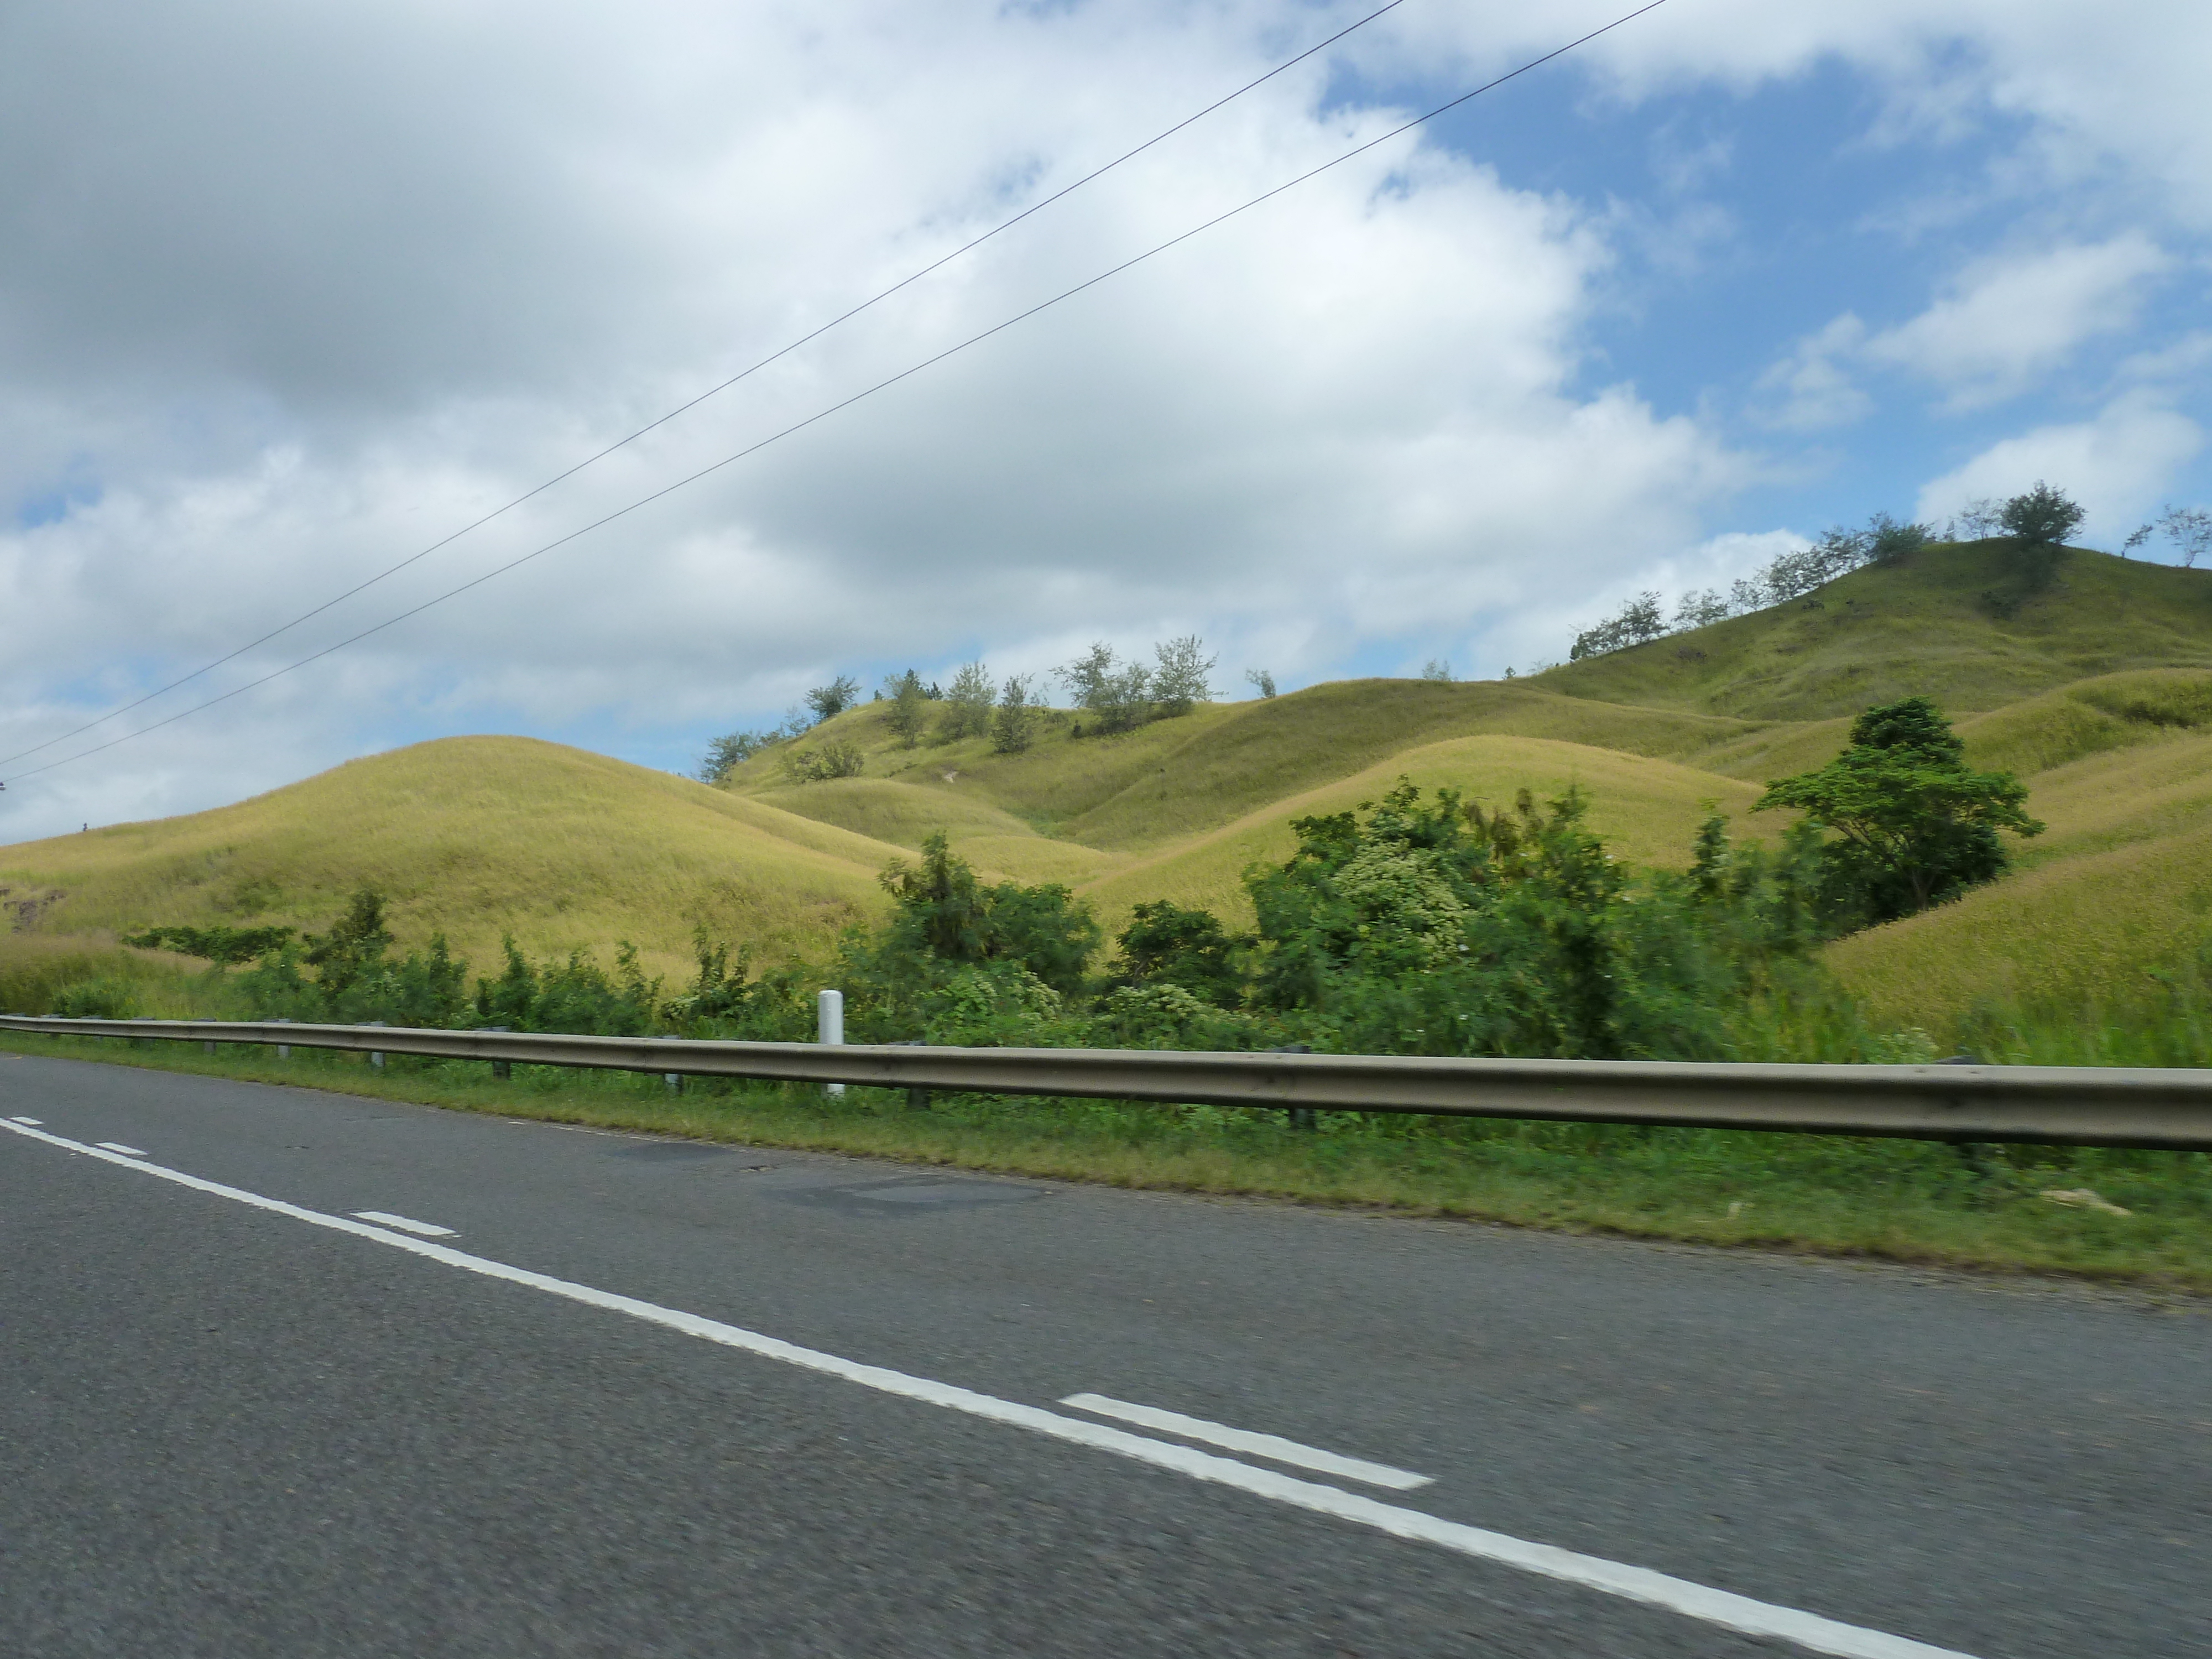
{"x": 291, "y": 294}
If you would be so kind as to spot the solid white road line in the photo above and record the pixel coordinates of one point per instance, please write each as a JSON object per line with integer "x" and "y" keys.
{"x": 33, "y": 1122}
{"x": 117, "y": 1147}
{"x": 1714, "y": 1607}
{"x": 425, "y": 1229}
{"x": 1273, "y": 1448}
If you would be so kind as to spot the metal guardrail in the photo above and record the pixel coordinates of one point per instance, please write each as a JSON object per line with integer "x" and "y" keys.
{"x": 2110, "y": 1106}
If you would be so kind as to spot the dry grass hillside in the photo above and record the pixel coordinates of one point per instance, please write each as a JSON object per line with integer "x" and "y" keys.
{"x": 2098, "y": 691}
{"x": 475, "y": 838}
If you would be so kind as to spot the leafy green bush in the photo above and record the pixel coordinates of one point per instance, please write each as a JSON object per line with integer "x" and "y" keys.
{"x": 1430, "y": 926}
{"x": 227, "y": 945}
{"x": 837, "y": 758}
{"x": 97, "y": 999}
{"x": 1914, "y": 826}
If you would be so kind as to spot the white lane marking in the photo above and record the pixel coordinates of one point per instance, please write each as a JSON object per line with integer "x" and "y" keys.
{"x": 427, "y": 1229}
{"x": 33, "y": 1122}
{"x": 117, "y": 1147}
{"x": 1715, "y": 1607}
{"x": 1272, "y": 1447}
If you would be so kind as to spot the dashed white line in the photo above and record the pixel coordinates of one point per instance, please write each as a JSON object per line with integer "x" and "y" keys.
{"x": 1714, "y": 1607}
{"x": 427, "y": 1229}
{"x": 117, "y": 1147}
{"x": 33, "y": 1122}
{"x": 1272, "y": 1447}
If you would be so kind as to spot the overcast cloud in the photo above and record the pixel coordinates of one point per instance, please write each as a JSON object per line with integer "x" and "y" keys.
{"x": 287, "y": 293}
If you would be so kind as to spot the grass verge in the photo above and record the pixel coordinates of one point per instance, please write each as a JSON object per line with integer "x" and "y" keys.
{"x": 1896, "y": 1200}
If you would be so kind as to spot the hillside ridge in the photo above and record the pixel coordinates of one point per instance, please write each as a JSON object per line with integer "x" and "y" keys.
{"x": 2098, "y": 691}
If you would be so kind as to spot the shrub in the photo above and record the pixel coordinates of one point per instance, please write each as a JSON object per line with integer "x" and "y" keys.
{"x": 838, "y": 759}
{"x": 97, "y": 999}
{"x": 1165, "y": 944}
{"x": 226, "y": 945}
{"x": 1430, "y": 926}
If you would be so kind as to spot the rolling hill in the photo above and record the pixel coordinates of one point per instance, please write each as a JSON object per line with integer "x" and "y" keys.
{"x": 2098, "y": 688}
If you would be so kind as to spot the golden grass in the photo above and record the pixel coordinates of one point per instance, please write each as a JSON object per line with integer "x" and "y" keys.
{"x": 2086, "y": 929}
{"x": 2099, "y": 691}
{"x": 477, "y": 836}
{"x": 1176, "y": 778}
{"x": 896, "y": 811}
{"x": 1920, "y": 628}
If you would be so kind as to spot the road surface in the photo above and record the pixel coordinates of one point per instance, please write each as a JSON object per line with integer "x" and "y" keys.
{"x": 299, "y": 1374}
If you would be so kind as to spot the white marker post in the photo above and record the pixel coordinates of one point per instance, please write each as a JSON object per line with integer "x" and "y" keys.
{"x": 830, "y": 1027}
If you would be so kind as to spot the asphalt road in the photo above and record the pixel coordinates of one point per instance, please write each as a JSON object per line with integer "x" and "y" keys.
{"x": 229, "y": 1429}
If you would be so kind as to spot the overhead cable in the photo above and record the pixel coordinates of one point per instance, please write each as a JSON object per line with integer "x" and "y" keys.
{"x": 858, "y": 396}
{"x": 711, "y": 391}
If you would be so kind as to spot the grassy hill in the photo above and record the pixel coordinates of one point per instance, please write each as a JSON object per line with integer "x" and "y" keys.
{"x": 2096, "y": 688}
{"x": 475, "y": 836}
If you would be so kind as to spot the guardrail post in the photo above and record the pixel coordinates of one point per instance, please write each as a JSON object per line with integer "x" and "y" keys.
{"x": 673, "y": 1080}
{"x": 1300, "y": 1117}
{"x": 283, "y": 1049}
{"x": 208, "y": 1049}
{"x": 830, "y": 1027}
{"x": 917, "y": 1099}
{"x": 501, "y": 1069}
{"x": 375, "y": 1055}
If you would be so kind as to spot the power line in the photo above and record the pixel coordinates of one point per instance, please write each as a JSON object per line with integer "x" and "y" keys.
{"x": 711, "y": 391}
{"x": 870, "y": 392}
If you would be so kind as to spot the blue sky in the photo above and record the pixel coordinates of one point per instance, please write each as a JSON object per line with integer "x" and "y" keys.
{"x": 285, "y": 297}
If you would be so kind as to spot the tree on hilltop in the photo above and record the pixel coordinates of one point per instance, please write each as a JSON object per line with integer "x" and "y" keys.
{"x": 834, "y": 698}
{"x": 2041, "y": 517}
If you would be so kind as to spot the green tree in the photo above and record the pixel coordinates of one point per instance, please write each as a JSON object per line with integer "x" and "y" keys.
{"x": 1165, "y": 944}
{"x": 909, "y": 710}
{"x": 1013, "y": 726}
{"x": 1179, "y": 682}
{"x": 969, "y": 713}
{"x": 834, "y": 698}
{"x": 355, "y": 945}
{"x": 945, "y": 917}
{"x": 1914, "y": 825}
{"x": 2043, "y": 516}
{"x": 1119, "y": 695}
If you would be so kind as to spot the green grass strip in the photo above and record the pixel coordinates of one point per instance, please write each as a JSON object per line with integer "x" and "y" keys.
{"x": 1893, "y": 1200}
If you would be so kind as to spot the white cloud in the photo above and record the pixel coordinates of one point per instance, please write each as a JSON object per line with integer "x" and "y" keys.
{"x": 2005, "y": 325}
{"x": 2008, "y": 322}
{"x": 2100, "y": 94}
{"x": 2116, "y": 465}
{"x": 1813, "y": 387}
{"x": 1336, "y": 420}
{"x": 286, "y": 292}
